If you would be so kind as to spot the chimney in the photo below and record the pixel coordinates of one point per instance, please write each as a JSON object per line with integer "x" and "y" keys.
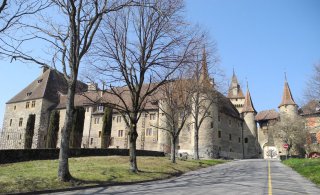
{"x": 92, "y": 86}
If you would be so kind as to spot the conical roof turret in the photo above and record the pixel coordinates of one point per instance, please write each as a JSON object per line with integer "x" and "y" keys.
{"x": 235, "y": 90}
{"x": 204, "y": 75}
{"x": 248, "y": 105}
{"x": 287, "y": 98}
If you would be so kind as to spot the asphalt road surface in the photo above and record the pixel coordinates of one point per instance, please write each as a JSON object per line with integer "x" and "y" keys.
{"x": 252, "y": 177}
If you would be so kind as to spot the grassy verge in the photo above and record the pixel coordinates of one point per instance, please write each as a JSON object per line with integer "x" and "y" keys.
{"x": 42, "y": 174}
{"x": 309, "y": 168}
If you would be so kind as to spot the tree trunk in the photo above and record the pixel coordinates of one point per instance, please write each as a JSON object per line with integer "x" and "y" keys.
{"x": 133, "y": 135}
{"x": 173, "y": 149}
{"x": 63, "y": 170}
{"x": 196, "y": 144}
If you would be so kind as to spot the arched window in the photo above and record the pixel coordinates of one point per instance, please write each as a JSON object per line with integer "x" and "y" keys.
{"x": 246, "y": 140}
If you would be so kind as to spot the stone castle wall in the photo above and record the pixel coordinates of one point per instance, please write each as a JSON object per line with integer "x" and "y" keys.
{"x": 13, "y": 133}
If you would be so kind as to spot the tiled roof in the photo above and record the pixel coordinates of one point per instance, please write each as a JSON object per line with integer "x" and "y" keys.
{"x": 97, "y": 97}
{"x": 287, "y": 96}
{"x": 312, "y": 107}
{"x": 225, "y": 106}
{"x": 106, "y": 97}
{"x": 267, "y": 115}
{"x": 235, "y": 85}
{"x": 248, "y": 106}
{"x": 47, "y": 86}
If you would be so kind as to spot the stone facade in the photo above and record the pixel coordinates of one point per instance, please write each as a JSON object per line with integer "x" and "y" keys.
{"x": 15, "y": 121}
{"x": 221, "y": 135}
{"x": 272, "y": 146}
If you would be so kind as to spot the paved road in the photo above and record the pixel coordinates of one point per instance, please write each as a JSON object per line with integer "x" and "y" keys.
{"x": 252, "y": 177}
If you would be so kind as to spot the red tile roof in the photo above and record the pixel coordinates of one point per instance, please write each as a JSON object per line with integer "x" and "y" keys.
{"x": 312, "y": 107}
{"x": 234, "y": 84}
{"x": 287, "y": 96}
{"x": 267, "y": 115}
{"x": 248, "y": 106}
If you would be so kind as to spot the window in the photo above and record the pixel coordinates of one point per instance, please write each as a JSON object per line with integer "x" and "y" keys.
{"x": 219, "y": 118}
{"x": 20, "y": 136}
{"x": 162, "y": 114}
{"x": 96, "y": 120}
{"x": 149, "y": 132}
{"x": 87, "y": 109}
{"x": 20, "y": 122}
{"x": 231, "y": 150}
{"x": 91, "y": 141}
{"x": 313, "y": 138}
{"x": 10, "y": 122}
{"x": 99, "y": 133}
{"x": 211, "y": 124}
{"x": 239, "y": 139}
{"x": 14, "y": 107}
{"x": 40, "y": 80}
{"x": 118, "y": 119}
{"x": 8, "y": 137}
{"x": 100, "y": 108}
{"x": 153, "y": 116}
{"x": 219, "y": 134}
{"x": 230, "y": 138}
{"x": 120, "y": 133}
{"x": 229, "y": 121}
{"x": 246, "y": 140}
{"x": 29, "y": 93}
{"x": 27, "y": 104}
{"x": 33, "y": 104}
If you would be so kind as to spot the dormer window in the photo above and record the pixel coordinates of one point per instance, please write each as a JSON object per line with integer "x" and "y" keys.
{"x": 29, "y": 93}
{"x": 100, "y": 108}
{"x": 40, "y": 80}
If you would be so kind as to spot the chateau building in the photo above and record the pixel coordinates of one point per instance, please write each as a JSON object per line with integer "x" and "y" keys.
{"x": 229, "y": 132}
{"x": 233, "y": 130}
{"x": 271, "y": 145}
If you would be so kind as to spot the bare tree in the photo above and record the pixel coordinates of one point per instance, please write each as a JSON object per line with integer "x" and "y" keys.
{"x": 140, "y": 49}
{"x": 176, "y": 106}
{"x": 312, "y": 91}
{"x": 68, "y": 33}
{"x": 291, "y": 131}
{"x": 11, "y": 14}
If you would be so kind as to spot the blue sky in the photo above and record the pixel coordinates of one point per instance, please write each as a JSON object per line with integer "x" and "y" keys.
{"x": 259, "y": 39}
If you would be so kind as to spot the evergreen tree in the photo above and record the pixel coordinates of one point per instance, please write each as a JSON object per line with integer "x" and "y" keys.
{"x": 29, "y": 131}
{"x": 77, "y": 128}
{"x": 53, "y": 129}
{"x": 106, "y": 128}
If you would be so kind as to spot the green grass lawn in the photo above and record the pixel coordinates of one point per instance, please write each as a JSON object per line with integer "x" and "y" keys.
{"x": 42, "y": 174}
{"x": 309, "y": 168}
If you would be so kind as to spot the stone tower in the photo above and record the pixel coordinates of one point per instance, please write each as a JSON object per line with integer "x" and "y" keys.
{"x": 209, "y": 124}
{"x": 235, "y": 93}
{"x": 251, "y": 147}
{"x": 287, "y": 106}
